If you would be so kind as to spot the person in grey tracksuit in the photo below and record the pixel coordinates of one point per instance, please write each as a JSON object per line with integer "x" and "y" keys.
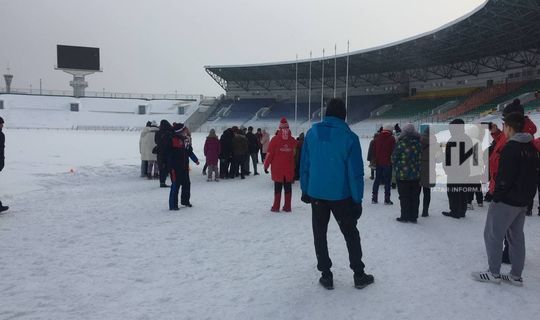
{"x": 514, "y": 188}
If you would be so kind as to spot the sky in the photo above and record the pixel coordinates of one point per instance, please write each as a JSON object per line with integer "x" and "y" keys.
{"x": 162, "y": 46}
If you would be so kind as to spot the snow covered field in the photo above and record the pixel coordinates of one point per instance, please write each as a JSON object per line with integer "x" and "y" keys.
{"x": 99, "y": 243}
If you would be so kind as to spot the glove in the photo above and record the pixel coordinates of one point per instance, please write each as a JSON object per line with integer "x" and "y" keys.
{"x": 305, "y": 198}
{"x": 265, "y": 170}
{"x": 357, "y": 210}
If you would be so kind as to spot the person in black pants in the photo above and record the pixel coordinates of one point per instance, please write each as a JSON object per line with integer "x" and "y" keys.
{"x": 406, "y": 159}
{"x": 457, "y": 170}
{"x": 339, "y": 190}
{"x": 163, "y": 140}
{"x": 226, "y": 153}
{"x": 253, "y": 149}
{"x": 2, "y": 147}
{"x": 185, "y": 182}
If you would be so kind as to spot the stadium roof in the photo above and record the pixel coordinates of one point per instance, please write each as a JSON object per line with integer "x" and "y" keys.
{"x": 494, "y": 36}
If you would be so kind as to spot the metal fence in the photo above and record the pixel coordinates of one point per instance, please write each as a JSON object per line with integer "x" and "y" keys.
{"x": 105, "y": 94}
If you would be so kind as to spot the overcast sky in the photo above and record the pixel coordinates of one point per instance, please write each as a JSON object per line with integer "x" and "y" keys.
{"x": 160, "y": 46}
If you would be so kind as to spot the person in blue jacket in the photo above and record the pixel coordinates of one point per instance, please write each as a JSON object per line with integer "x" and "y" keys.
{"x": 332, "y": 180}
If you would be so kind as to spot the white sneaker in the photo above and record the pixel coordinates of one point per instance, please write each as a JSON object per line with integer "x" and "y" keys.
{"x": 518, "y": 282}
{"x": 470, "y": 206}
{"x": 486, "y": 277}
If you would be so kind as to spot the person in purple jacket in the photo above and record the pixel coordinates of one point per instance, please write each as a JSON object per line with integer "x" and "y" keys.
{"x": 211, "y": 151}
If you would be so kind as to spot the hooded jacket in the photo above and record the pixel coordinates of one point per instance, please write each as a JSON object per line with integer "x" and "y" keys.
{"x": 280, "y": 156}
{"x": 211, "y": 150}
{"x": 383, "y": 147}
{"x": 265, "y": 141}
{"x": 500, "y": 140}
{"x": 407, "y": 155}
{"x": 332, "y": 167}
{"x": 517, "y": 177}
{"x": 147, "y": 143}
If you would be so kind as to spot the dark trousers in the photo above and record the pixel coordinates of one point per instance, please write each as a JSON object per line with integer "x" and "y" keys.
{"x": 263, "y": 156}
{"x": 476, "y": 190}
{"x": 163, "y": 170}
{"x": 426, "y": 200}
{"x": 409, "y": 198}
{"x": 237, "y": 164}
{"x": 254, "y": 160}
{"x": 278, "y": 186}
{"x": 457, "y": 199}
{"x": 245, "y": 164}
{"x": 383, "y": 175}
{"x": 372, "y": 171}
{"x": 144, "y": 168}
{"x": 185, "y": 183}
{"x": 224, "y": 168}
{"x": 175, "y": 187}
{"x": 343, "y": 213}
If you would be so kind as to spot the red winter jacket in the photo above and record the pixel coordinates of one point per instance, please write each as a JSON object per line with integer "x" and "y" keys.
{"x": 212, "y": 150}
{"x": 500, "y": 140}
{"x": 383, "y": 147}
{"x": 280, "y": 156}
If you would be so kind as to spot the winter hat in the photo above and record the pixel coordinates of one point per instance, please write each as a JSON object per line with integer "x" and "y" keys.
{"x": 336, "y": 108}
{"x": 515, "y": 106}
{"x": 1, "y": 120}
{"x": 408, "y": 128}
{"x": 148, "y": 123}
{"x": 178, "y": 126}
{"x": 388, "y": 127}
{"x": 212, "y": 133}
{"x": 283, "y": 124}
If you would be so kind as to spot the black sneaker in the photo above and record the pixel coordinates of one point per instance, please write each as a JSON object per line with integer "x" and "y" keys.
{"x": 388, "y": 203}
{"x": 174, "y": 209}
{"x": 401, "y": 220}
{"x": 3, "y": 208}
{"x": 189, "y": 205}
{"x": 363, "y": 280}
{"x": 327, "y": 280}
{"x": 163, "y": 185}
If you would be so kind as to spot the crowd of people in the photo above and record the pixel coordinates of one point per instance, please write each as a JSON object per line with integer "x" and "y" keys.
{"x": 399, "y": 158}
{"x": 166, "y": 150}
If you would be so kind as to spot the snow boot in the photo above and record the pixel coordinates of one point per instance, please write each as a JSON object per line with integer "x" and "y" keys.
{"x": 287, "y": 204}
{"x": 327, "y": 280}
{"x": 277, "y": 202}
{"x": 486, "y": 277}
{"x": 363, "y": 280}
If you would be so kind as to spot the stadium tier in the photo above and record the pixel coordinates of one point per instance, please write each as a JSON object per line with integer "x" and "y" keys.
{"x": 465, "y": 67}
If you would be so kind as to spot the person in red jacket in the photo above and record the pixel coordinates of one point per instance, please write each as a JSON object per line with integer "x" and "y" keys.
{"x": 500, "y": 140}
{"x": 280, "y": 158}
{"x": 382, "y": 149}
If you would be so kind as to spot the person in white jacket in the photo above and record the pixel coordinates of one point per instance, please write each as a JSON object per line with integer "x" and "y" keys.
{"x": 146, "y": 146}
{"x": 265, "y": 141}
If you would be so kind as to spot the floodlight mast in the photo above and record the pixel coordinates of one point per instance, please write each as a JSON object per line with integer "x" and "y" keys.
{"x": 78, "y": 83}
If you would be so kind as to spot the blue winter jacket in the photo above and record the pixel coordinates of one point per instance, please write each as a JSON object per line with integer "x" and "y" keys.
{"x": 331, "y": 167}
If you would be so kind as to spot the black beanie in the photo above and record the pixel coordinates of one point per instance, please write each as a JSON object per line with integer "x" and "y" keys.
{"x": 336, "y": 108}
{"x": 1, "y": 120}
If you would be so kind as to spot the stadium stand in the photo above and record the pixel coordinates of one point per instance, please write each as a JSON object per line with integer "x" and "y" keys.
{"x": 464, "y": 68}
